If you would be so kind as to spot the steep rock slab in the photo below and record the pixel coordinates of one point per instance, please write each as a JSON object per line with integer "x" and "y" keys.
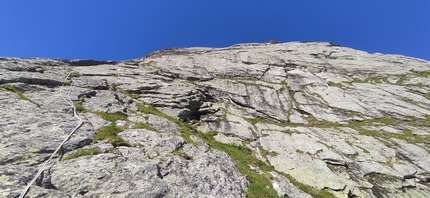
{"x": 359, "y": 120}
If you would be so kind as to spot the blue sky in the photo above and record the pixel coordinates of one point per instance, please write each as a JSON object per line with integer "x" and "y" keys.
{"x": 125, "y": 29}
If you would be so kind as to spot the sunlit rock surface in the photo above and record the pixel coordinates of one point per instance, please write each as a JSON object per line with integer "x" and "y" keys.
{"x": 291, "y": 119}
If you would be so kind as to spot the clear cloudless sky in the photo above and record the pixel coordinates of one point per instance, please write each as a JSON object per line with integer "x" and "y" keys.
{"x": 125, "y": 29}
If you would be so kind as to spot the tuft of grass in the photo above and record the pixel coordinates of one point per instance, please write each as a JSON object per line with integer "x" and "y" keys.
{"x": 149, "y": 109}
{"x": 333, "y": 84}
{"x": 402, "y": 79}
{"x": 299, "y": 151}
{"x": 254, "y": 134}
{"x": 314, "y": 122}
{"x": 112, "y": 117}
{"x": 266, "y": 153}
{"x": 378, "y": 79}
{"x": 254, "y": 120}
{"x": 284, "y": 82}
{"x": 141, "y": 125}
{"x": 67, "y": 82}
{"x": 110, "y": 133}
{"x": 375, "y": 80}
{"x": 83, "y": 152}
{"x": 74, "y": 74}
{"x": 12, "y": 89}
{"x": 134, "y": 96}
{"x": 80, "y": 108}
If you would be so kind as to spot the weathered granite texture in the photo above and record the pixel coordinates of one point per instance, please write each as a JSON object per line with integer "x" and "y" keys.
{"x": 333, "y": 118}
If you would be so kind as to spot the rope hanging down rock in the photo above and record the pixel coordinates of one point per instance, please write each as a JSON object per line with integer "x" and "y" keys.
{"x": 81, "y": 122}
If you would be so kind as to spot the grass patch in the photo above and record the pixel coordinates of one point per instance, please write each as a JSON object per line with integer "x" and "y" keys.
{"x": 255, "y": 120}
{"x": 80, "y": 108}
{"x": 83, "y": 152}
{"x": 284, "y": 82}
{"x": 406, "y": 135}
{"x": 402, "y": 79}
{"x": 149, "y": 109}
{"x": 372, "y": 79}
{"x": 68, "y": 82}
{"x": 134, "y": 96}
{"x": 11, "y": 88}
{"x": 141, "y": 125}
{"x": 333, "y": 84}
{"x": 292, "y": 101}
{"x": 376, "y": 121}
{"x": 112, "y": 117}
{"x": 266, "y": 153}
{"x": 110, "y": 133}
{"x": 312, "y": 122}
{"x": 423, "y": 74}
{"x": 390, "y": 121}
{"x": 378, "y": 79}
{"x": 420, "y": 122}
{"x": 74, "y": 74}
{"x": 253, "y": 132}
{"x": 405, "y": 77}
{"x": 184, "y": 127}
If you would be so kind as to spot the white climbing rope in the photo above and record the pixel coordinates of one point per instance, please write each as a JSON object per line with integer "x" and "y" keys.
{"x": 81, "y": 122}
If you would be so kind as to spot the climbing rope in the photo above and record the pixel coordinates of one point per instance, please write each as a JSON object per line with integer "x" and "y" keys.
{"x": 81, "y": 122}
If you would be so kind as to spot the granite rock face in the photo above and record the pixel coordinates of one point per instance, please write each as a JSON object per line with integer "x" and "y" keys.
{"x": 192, "y": 122}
